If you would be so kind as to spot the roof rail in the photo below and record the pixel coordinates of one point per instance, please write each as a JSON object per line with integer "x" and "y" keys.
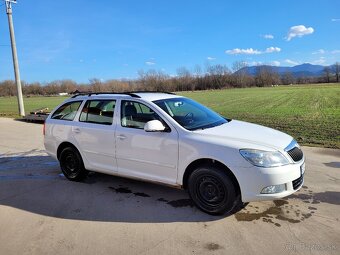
{"x": 105, "y": 93}
{"x": 152, "y": 91}
{"x": 132, "y": 93}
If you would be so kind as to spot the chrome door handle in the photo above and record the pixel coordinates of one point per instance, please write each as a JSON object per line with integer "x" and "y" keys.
{"x": 121, "y": 137}
{"x": 76, "y": 130}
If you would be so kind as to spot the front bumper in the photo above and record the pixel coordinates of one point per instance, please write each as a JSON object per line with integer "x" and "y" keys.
{"x": 255, "y": 179}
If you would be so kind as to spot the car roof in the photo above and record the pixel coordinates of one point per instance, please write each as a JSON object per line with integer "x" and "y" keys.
{"x": 153, "y": 96}
{"x": 147, "y": 96}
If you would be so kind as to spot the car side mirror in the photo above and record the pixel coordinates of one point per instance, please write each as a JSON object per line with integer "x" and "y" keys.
{"x": 154, "y": 126}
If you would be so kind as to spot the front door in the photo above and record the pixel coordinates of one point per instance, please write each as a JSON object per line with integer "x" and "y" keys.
{"x": 147, "y": 155}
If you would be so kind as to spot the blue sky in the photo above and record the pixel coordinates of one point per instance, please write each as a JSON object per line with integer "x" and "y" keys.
{"x": 106, "y": 39}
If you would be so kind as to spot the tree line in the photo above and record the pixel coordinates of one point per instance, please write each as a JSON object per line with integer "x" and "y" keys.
{"x": 211, "y": 77}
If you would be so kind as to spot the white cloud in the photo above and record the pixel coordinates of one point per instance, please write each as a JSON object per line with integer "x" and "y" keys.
{"x": 252, "y": 51}
{"x": 237, "y": 51}
{"x": 320, "y": 51}
{"x": 298, "y": 31}
{"x": 260, "y": 63}
{"x": 335, "y": 20}
{"x": 149, "y": 63}
{"x": 291, "y": 62}
{"x": 319, "y": 61}
{"x": 272, "y": 49}
{"x": 268, "y": 36}
{"x": 211, "y": 58}
{"x": 254, "y": 63}
{"x": 335, "y": 51}
{"x": 275, "y": 63}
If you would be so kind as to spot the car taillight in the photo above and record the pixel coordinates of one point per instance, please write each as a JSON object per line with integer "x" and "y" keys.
{"x": 44, "y": 128}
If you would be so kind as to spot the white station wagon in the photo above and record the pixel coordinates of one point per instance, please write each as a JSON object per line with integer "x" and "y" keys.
{"x": 173, "y": 140}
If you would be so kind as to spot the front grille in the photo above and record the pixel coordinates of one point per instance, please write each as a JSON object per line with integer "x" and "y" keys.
{"x": 298, "y": 182}
{"x": 296, "y": 154}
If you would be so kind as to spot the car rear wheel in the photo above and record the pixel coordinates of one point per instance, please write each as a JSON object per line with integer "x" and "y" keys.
{"x": 212, "y": 190}
{"x": 72, "y": 164}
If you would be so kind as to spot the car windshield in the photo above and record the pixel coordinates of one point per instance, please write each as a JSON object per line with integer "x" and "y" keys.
{"x": 190, "y": 114}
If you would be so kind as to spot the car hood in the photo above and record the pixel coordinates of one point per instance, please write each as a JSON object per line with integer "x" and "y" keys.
{"x": 246, "y": 132}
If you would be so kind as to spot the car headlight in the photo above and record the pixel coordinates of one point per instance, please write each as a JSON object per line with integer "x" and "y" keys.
{"x": 264, "y": 158}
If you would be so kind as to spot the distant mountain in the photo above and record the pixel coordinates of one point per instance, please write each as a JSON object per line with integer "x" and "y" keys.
{"x": 304, "y": 70}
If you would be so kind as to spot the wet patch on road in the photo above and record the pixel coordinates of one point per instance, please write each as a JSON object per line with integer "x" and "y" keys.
{"x": 280, "y": 202}
{"x": 288, "y": 209}
{"x": 121, "y": 190}
{"x": 330, "y": 197}
{"x": 213, "y": 246}
{"x": 184, "y": 202}
{"x": 332, "y": 164}
{"x": 269, "y": 215}
{"x": 181, "y": 203}
{"x": 141, "y": 194}
{"x": 162, "y": 200}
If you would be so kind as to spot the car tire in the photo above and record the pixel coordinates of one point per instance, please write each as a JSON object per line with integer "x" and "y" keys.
{"x": 212, "y": 190}
{"x": 72, "y": 165}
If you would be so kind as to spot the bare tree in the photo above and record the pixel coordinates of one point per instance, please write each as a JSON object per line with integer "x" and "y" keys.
{"x": 336, "y": 69}
{"x": 8, "y": 88}
{"x": 265, "y": 76}
{"x": 240, "y": 73}
{"x": 287, "y": 78}
{"x": 96, "y": 85}
{"x": 327, "y": 72}
{"x": 184, "y": 80}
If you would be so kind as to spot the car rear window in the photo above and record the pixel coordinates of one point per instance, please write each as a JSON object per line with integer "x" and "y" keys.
{"x": 67, "y": 111}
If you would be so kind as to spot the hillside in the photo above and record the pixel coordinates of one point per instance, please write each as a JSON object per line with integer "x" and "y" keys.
{"x": 304, "y": 70}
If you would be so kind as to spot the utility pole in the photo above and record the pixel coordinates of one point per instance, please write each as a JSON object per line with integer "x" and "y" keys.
{"x": 15, "y": 56}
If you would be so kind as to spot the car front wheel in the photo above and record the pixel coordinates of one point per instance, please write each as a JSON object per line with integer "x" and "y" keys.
{"x": 72, "y": 164}
{"x": 212, "y": 190}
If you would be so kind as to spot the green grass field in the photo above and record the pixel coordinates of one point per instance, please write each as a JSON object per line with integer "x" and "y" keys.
{"x": 310, "y": 113}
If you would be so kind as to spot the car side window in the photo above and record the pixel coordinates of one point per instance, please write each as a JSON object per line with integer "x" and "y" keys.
{"x": 98, "y": 112}
{"x": 67, "y": 111}
{"x": 136, "y": 115}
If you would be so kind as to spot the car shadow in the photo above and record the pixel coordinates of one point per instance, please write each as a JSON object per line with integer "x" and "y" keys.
{"x": 34, "y": 183}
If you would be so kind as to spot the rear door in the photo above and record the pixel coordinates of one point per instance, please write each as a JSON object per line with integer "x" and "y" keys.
{"x": 95, "y": 134}
{"x": 147, "y": 155}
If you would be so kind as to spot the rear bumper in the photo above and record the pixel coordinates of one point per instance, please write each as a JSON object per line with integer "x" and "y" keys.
{"x": 255, "y": 179}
